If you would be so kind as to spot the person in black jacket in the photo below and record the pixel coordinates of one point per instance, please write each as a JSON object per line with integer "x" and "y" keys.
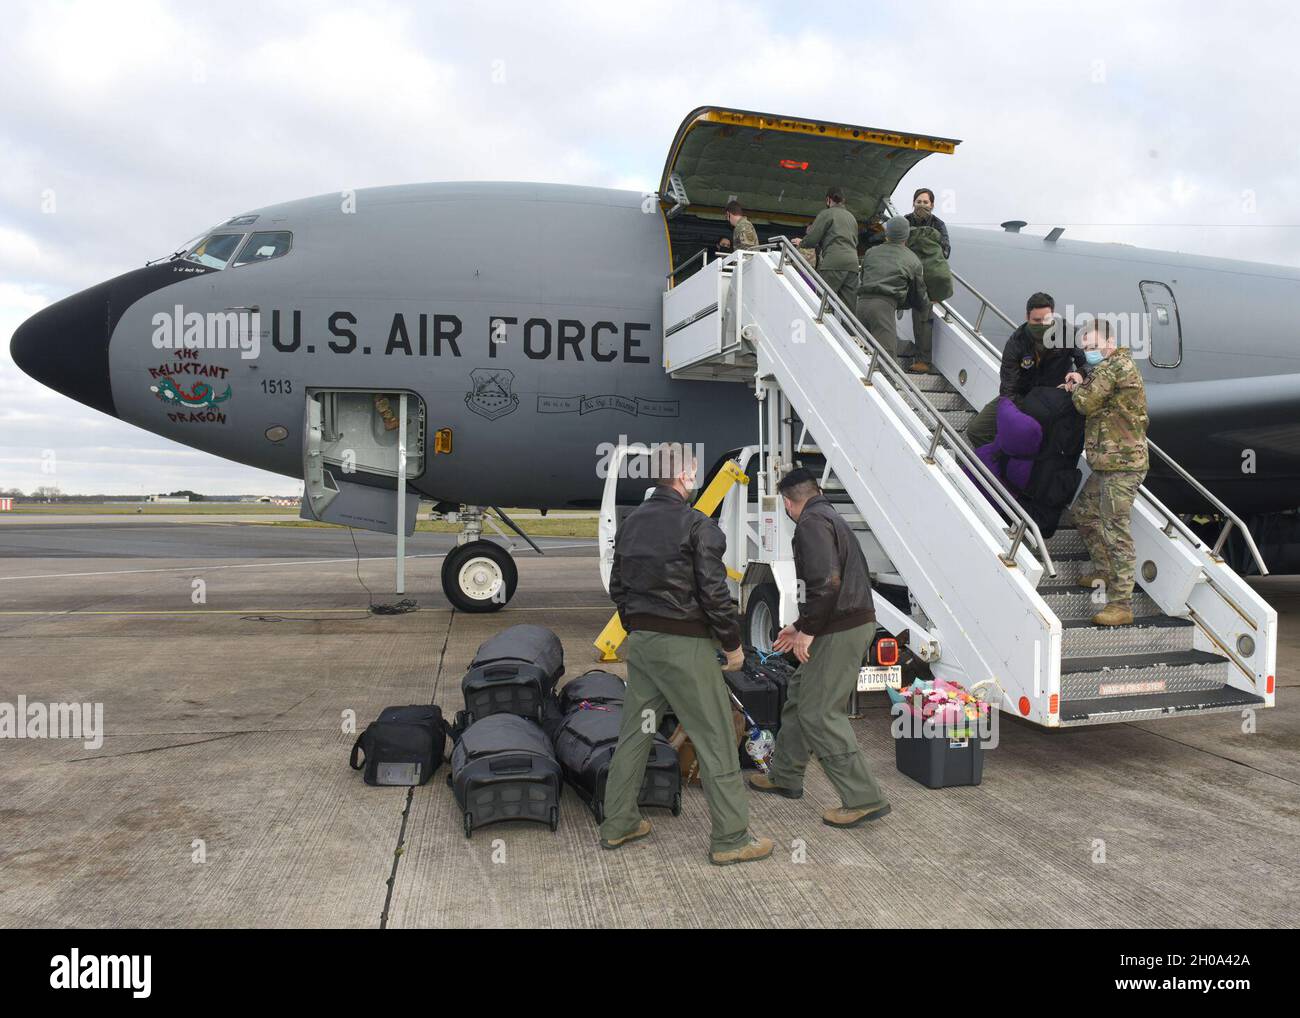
{"x": 835, "y": 626}
{"x": 670, "y": 586}
{"x": 922, "y": 214}
{"x": 1037, "y": 353}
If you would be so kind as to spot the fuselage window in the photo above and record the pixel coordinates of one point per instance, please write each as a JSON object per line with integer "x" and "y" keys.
{"x": 262, "y": 247}
{"x": 216, "y": 250}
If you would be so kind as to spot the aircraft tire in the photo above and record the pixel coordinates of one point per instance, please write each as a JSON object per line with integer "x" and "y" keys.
{"x": 479, "y": 577}
{"x": 761, "y": 613}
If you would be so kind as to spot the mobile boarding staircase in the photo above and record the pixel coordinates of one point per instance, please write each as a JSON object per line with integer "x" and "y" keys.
{"x": 984, "y": 598}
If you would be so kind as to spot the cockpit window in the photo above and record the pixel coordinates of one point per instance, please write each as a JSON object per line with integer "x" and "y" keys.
{"x": 265, "y": 246}
{"x": 216, "y": 250}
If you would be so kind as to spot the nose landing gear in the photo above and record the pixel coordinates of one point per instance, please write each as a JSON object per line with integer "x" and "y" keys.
{"x": 477, "y": 575}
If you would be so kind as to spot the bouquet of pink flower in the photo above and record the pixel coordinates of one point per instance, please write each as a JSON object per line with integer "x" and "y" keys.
{"x": 949, "y": 703}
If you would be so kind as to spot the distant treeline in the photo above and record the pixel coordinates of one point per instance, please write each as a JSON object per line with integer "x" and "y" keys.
{"x": 41, "y": 495}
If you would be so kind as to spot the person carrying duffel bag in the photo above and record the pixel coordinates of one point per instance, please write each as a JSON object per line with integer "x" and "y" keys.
{"x": 927, "y": 244}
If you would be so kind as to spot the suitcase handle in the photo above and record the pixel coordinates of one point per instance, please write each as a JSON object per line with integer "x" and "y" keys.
{"x": 511, "y": 765}
{"x": 353, "y": 759}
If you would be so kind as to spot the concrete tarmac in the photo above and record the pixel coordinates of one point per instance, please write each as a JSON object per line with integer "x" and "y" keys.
{"x": 221, "y": 794}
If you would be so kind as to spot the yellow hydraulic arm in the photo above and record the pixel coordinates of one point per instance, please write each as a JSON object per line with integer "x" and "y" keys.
{"x": 613, "y": 635}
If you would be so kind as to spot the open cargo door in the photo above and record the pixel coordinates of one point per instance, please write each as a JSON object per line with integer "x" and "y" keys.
{"x": 779, "y": 168}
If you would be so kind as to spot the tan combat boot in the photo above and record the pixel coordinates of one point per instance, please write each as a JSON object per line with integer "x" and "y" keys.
{"x": 762, "y": 783}
{"x": 642, "y": 829}
{"x": 842, "y": 817}
{"x": 1114, "y": 615}
{"x": 1090, "y": 580}
{"x": 758, "y": 848}
{"x": 919, "y": 368}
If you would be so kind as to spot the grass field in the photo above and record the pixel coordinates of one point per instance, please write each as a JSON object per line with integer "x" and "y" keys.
{"x": 551, "y": 526}
{"x": 557, "y": 523}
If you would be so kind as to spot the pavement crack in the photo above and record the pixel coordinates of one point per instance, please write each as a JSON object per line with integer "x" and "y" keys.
{"x": 400, "y": 847}
{"x": 295, "y": 706}
{"x": 153, "y": 749}
{"x": 397, "y": 858}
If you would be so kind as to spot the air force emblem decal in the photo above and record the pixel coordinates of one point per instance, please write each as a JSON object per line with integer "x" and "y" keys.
{"x": 493, "y": 393}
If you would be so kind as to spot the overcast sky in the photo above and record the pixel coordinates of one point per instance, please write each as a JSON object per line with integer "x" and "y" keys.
{"x": 1168, "y": 125}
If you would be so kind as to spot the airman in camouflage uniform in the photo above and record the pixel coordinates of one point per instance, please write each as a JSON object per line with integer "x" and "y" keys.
{"x": 1114, "y": 400}
{"x": 743, "y": 235}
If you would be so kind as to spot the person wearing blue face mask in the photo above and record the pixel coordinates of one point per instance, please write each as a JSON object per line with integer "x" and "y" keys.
{"x": 1114, "y": 401}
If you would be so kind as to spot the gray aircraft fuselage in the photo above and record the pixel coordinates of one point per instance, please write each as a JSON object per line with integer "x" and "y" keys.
{"x": 397, "y": 289}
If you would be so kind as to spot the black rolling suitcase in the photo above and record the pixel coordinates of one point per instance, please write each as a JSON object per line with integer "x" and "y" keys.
{"x": 513, "y": 673}
{"x": 503, "y": 768}
{"x": 596, "y": 687}
{"x": 585, "y": 743}
{"x": 761, "y": 686}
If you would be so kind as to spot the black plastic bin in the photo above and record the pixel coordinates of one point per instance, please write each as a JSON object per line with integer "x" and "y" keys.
{"x": 939, "y": 760}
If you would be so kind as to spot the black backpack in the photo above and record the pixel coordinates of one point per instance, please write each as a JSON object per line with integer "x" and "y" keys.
{"x": 403, "y": 746}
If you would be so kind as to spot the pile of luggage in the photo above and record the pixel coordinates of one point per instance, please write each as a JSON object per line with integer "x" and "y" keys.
{"x": 504, "y": 765}
{"x": 518, "y": 737}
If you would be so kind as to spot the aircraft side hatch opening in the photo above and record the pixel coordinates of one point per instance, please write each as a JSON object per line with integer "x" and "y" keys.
{"x": 359, "y": 431}
{"x": 352, "y": 459}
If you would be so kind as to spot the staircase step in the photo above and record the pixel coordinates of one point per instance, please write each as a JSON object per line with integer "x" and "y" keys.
{"x": 1081, "y": 639}
{"x": 1070, "y": 565}
{"x": 1065, "y": 541}
{"x": 931, "y": 383}
{"x": 958, "y": 419}
{"x": 1139, "y": 707}
{"x": 1070, "y": 601}
{"x": 947, "y": 401}
{"x": 1161, "y": 671}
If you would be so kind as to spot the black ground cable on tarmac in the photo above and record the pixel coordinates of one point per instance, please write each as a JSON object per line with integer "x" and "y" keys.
{"x": 401, "y": 607}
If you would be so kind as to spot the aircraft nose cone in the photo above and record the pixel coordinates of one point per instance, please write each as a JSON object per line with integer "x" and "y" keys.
{"x": 65, "y": 347}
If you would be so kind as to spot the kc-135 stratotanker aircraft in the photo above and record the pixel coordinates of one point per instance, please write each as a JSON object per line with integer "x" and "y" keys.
{"x": 532, "y": 327}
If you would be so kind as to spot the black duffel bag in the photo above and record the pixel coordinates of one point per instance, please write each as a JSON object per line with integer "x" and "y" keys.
{"x": 504, "y": 768}
{"x": 584, "y": 745}
{"x": 514, "y": 672}
{"x": 403, "y": 746}
{"x": 596, "y": 687}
